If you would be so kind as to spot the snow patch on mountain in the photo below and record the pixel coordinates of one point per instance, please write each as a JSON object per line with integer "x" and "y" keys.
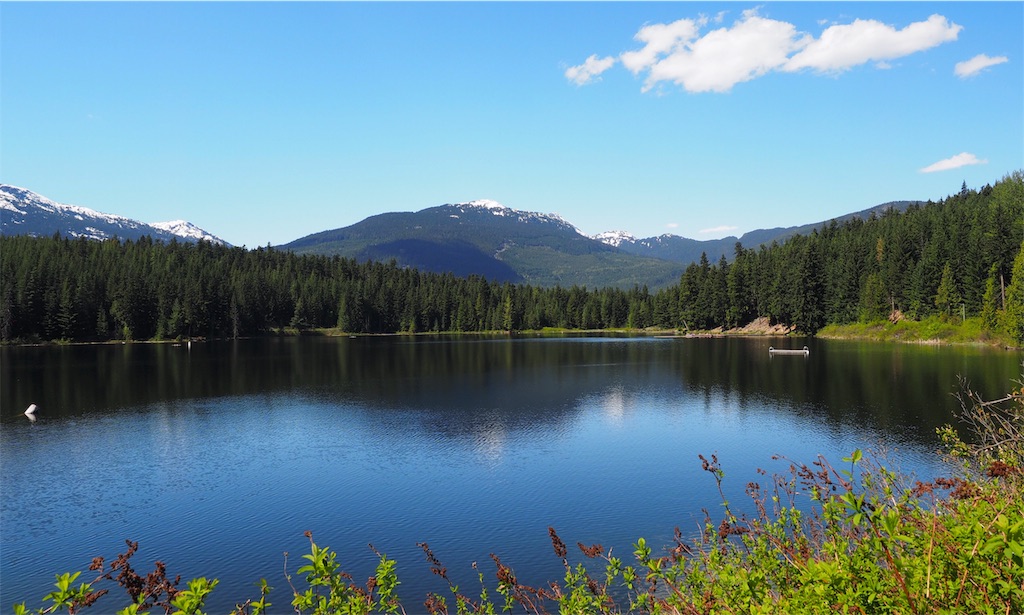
{"x": 497, "y": 209}
{"x": 486, "y": 204}
{"x": 185, "y": 229}
{"x": 43, "y": 216}
{"x": 615, "y": 238}
{"x": 12, "y": 196}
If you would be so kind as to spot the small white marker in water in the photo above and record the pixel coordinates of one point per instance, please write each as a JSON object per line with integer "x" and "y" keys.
{"x": 30, "y": 412}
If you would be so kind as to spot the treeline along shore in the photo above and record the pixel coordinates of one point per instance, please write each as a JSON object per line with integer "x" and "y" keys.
{"x": 956, "y": 259}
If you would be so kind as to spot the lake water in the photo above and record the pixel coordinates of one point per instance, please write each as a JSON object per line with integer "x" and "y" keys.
{"x": 217, "y": 457}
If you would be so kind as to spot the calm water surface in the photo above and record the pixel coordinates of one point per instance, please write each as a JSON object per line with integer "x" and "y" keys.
{"x": 217, "y": 457}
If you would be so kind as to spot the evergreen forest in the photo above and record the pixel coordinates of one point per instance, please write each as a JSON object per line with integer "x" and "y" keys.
{"x": 955, "y": 259}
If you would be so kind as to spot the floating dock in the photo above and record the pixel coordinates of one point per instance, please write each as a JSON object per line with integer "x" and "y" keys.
{"x": 774, "y": 351}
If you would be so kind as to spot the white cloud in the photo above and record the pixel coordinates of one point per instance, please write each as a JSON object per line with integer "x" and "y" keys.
{"x": 678, "y": 52}
{"x": 963, "y": 159}
{"x": 841, "y": 47}
{"x": 660, "y": 39}
{"x": 589, "y": 70}
{"x": 718, "y": 229}
{"x": 716, "y": 61}
{"x": 672, "y": 225}
{"x": 727, "y": 56}
{"x": 975, "y": 65}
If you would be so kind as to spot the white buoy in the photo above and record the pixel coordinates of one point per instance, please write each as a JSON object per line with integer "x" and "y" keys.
{"x": 30, "y": 412}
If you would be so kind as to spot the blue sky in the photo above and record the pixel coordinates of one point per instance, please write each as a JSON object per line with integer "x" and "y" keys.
{"x": 264, "y": 122}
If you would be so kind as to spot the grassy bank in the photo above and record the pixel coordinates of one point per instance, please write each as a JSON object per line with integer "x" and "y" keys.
{"x": 929, "y": 331}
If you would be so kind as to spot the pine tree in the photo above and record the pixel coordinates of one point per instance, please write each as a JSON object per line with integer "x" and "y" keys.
{"x": 506, "y": 309}
{"x": 810, "y": 301}
{"x": 990, "y": 301}
{"x": 1014, "y": 315}
{"x": 873, "y": 302}
{"x": 6, "y": 311}
{"x": 948, "y": 295}
{"x": 66, "y": 312}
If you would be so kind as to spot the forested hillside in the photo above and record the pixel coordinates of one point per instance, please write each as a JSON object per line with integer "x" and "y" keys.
{"x": 487, "y": 239}
{"x": 953, "y": 257}
{"x": 78, "y": 289}
{"x": 960, "y": 257}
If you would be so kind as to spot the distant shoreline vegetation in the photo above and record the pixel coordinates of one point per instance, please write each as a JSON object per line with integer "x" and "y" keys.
{"x": 933, "y": 331}
{"x": 951, "y": 270}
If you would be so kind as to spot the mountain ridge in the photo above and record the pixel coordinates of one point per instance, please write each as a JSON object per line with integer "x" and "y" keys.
{"x": 685, "y": 250}
{"x": 493, "y": 241}
{"x": 480, "y": 237}
{"x": 511, "y": 245}
{"x": 24, "y": 212}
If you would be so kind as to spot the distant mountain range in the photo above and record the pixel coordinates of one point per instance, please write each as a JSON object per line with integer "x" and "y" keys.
{"x": 23, "y": 212}
{"x": 480, "y": 237}
{"x": 488, "y": 239}
{"x": 684, "y": 250}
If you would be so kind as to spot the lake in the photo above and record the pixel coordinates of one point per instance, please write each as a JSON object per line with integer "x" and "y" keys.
{"x": 217, "y": 456}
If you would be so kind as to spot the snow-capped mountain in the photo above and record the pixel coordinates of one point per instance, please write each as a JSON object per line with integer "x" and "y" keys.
{"x": 684, "y": 250}
{"x": 485, "y": 238}
{"x": 497, "y": 209}
{"x": 615, "y": 238}
{"x": 186, "y": 230}
{"x": 23, "y": 212}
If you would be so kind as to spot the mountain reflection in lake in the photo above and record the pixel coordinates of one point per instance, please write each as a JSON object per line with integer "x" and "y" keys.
{"x": 217, "y": 457}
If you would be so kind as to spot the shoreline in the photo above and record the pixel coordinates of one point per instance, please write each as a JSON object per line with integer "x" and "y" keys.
{"x": 903, "y": 332}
